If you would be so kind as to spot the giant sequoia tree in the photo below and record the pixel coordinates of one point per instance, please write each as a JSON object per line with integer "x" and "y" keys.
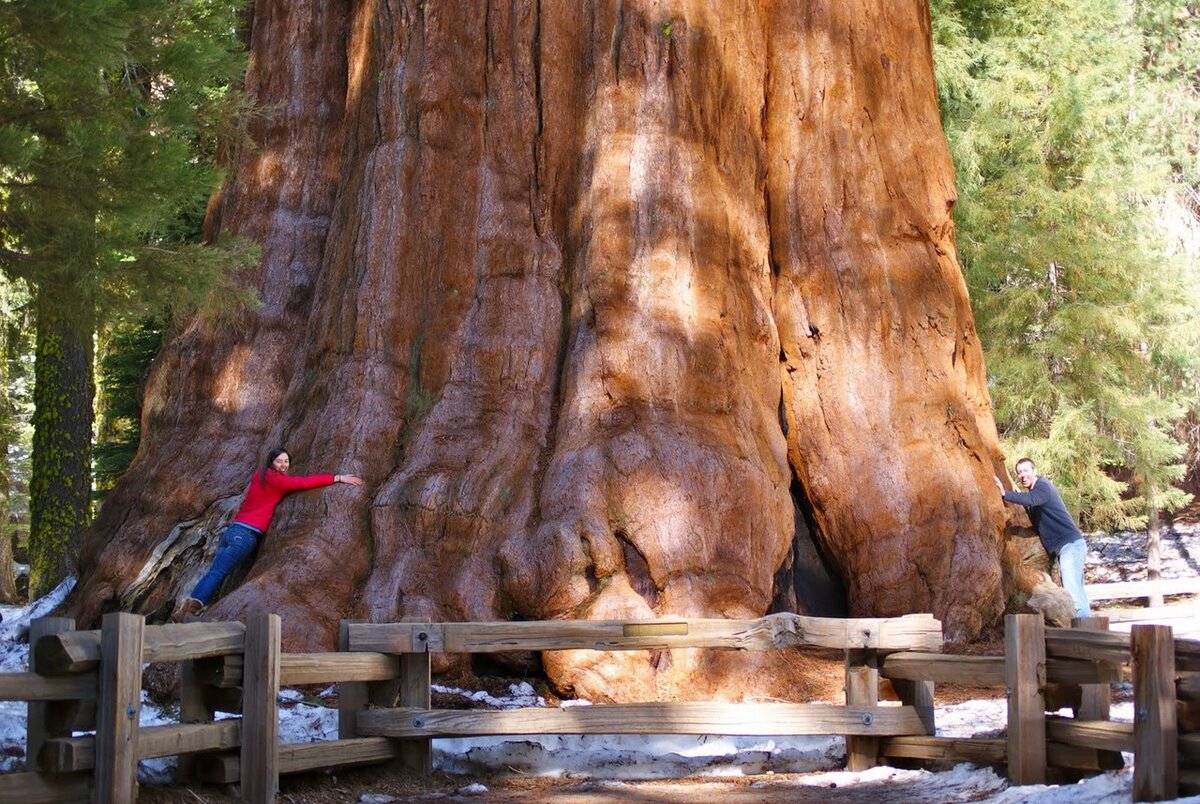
{"x": 623, "y": 310}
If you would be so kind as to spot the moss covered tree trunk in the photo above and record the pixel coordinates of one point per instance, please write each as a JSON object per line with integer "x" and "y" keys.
{"x": 623, "y": 309}
{"x": 60, "y": 487}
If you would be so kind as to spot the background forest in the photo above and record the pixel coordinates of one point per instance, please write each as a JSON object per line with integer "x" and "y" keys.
{"x": 1074, "y": 128}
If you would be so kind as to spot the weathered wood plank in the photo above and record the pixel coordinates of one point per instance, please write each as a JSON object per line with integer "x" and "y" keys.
{"x": 1187, "y": 715}
{"x": 1189, "y": 782}
{"x": 1156, "y": 768}
{"x": 352, "y": 695}
{"x": 225, "y": 671}
{"x": 79, "y": 651}
{"x": 302, "y": 757}
{"x": 44, "y": 719}
{"x": 260, "y": 719}
{"x": 1106, "y": 735}
{"x": 165, "y": 741}
{"x": 984, "y": 750}
{"x": 1187, "y": 654}
{"x": 1077, "y": 757}
{"x": 414, "y": 692}
{"x": 1025, "y": 651}
{"x": 1060, "y": 696}
{"x": 303, "y": 668}
{"x": 989, "y": 670}
{"x": 1189, "y": 748}
{"x": 1095, "y": 699}
{"x": 222, "y": 699}
{"x": 918, "y": 695}
{"x": 1187, "y": 685}
{"x": 193, "y": 708}
{"x": 389, "y": 637}
{"x": 765, "y": 719}
{"x": 35, "y": 687}
{"x": 1123, "y": 589}
{"x": 1077, "y": 643}
{"x": 944, "y": 668}
{"x": 325, "y": 668}
{"x": 217, "y": 768}
{"x": 42, "y": 788}
{"x": 1173, "y": 611}
{"x": 1082, "y": 671}
{"x": 66, "y": 754}
{"x": 118, "y": 707}
{"x": 862, "y": 689}
{"x": 774, "y": 631}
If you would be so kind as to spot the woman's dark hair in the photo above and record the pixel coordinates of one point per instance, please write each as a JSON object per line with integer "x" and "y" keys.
{"x": 271, "y": 456}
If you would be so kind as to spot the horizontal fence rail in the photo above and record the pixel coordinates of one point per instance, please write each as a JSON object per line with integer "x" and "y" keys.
{"x": 773, "y": 632}
{"x": 79, "y": 651}
{"x": 1130, "y": 589}
{"x": 763, "y": 719}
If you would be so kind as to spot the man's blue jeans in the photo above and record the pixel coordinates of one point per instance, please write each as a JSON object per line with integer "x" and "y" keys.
{"x": 1070, "y": 564}
{"x": 237, "y": 543}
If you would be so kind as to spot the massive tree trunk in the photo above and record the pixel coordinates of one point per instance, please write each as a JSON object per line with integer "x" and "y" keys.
{"x": 623, "y": 310}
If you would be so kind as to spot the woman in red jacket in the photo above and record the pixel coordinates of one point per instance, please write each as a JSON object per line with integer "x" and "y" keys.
{"x": 267, "y": 488}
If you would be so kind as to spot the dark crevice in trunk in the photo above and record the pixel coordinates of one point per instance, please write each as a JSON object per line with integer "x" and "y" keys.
{"x": 638, "y": 570}
{"x": 807, "y": 583}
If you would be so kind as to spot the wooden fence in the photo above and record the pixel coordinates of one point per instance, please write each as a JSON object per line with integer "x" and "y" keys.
{"x": 1047, "y": 669}
{"x": 1182, "y": 614}
{"x": 81, "y": 680}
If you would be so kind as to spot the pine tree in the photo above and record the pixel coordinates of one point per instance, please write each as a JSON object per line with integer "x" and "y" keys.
{"x": 1086, "y": 325}
{"x": 106, "y": 106}
{"x": 129, "y": 349}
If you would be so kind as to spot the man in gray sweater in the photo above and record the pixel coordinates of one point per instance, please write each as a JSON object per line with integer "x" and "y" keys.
{"x": 1055, "y": 527}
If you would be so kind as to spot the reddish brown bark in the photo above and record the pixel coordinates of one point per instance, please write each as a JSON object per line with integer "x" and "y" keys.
{"x": 607, "y": 304}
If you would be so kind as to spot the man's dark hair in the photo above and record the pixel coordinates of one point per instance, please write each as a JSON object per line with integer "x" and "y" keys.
{"x": 1025, "y": 460}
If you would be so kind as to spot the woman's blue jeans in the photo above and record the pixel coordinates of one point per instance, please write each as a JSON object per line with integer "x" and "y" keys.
{"x": 1070, "y": 564}
{"x": 237, "y": 543}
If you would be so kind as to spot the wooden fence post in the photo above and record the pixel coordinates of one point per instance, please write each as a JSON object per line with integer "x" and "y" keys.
{"x": 260, "y": 718}
{"x": 119, "y": 707}
{"x": 415, "y": 679}
{"x": 41, "y": 713}
{"x": 355, "y": 696}
{"x": 1095, "y": 699}
{"x": 193, "y": 708}
{"x": 862, "y": 689}
{"x": 1025, "y": 678}
{"x": 1155, "y": 734}
{"x": 918, "y": 695}
{"x": 352, "y": 695}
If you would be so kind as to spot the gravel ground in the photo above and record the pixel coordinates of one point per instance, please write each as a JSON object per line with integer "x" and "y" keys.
{"x": 1121, "y": 556}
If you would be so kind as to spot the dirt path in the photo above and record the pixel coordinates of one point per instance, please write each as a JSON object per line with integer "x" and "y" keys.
{"x": 891, "y": 787}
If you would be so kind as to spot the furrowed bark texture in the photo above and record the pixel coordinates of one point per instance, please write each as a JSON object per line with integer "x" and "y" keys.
{"x": 612, "y": 305}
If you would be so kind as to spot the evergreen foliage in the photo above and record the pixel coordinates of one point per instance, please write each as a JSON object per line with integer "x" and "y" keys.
{"x": 1089, "y": 329}
{"x": 106, "y": 109}
{"x": 16, "y": 402}
{"x": 128, "y": 351}
{"x": 1170, "y": 78}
